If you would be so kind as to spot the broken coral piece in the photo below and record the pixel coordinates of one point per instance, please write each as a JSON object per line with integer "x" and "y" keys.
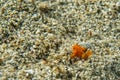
{"x": 80, "y": 52}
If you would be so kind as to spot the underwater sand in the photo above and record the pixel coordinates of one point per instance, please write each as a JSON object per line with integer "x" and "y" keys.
{"x": 36, "y": 39}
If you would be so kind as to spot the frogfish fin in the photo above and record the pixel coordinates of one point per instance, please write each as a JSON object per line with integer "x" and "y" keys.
{"x": 87, "y": 54}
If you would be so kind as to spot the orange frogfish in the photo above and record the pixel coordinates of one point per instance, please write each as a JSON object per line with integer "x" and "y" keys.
{"x": 80, "y": 52}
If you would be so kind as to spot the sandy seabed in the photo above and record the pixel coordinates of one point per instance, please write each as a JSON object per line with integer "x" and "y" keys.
{"x": 36, "y": 39}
